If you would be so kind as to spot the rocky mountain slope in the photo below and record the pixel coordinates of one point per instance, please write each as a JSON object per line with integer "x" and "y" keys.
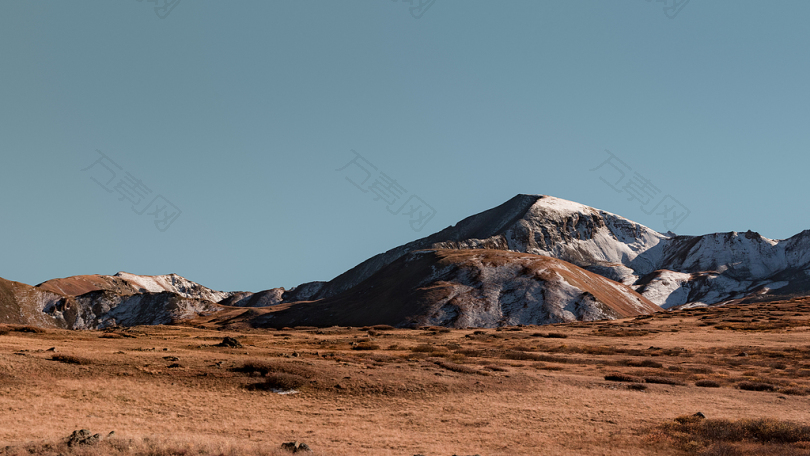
{"x": 98, "y": 301}
{"x": 101, "y": 309}
{"x": 667, "y": 269}
{"x": 460, "y": 288}
{"x": 22, "y": 304}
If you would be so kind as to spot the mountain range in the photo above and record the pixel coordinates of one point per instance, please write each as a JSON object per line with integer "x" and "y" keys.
{"x": 533, "y": 260}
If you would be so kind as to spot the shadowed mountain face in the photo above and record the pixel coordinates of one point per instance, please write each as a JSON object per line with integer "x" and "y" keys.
{"x": 461, "y": 288}
{"x": 100, "y": 309}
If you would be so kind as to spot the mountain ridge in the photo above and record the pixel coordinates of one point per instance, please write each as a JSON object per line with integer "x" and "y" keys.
{"x": 668, "y": 270}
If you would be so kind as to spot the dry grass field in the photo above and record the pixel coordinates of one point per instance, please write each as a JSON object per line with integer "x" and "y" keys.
{"x": 601, "y": 388}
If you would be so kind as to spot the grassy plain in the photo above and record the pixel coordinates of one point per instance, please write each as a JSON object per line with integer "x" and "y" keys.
{"x": 602, "y": 388}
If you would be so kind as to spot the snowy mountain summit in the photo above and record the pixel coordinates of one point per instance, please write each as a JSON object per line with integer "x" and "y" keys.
{"x": 667, "y": 269}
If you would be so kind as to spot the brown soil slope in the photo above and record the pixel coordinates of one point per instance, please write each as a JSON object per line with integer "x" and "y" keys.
{"x": 81, "y": 284}
{"x": 22, "y": 304}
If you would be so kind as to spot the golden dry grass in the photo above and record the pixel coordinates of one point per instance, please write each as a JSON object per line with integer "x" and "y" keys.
{"x": 513, "y": 391}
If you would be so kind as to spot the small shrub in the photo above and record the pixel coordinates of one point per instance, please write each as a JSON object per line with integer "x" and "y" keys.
{"x": 282, "y": 381}
{"x": 427, "y": 348}
{"x": 756, "y": 386}
{"x": 794, "y": 391}
{"x": 69, "y": 359}
{"x": 366, "y": 346}
{"x": 642, "y": 363}
{"x": 382, "y": 327}
{"x": 254, "y": 367}
{"x": 707, "y": 384}
{"x": 619, "y": 377}
{"x": 551, "y": 335}
{"x": 637, "y": 387}
{"x": 267, "y": 368}
{"x": 24, "y": 329}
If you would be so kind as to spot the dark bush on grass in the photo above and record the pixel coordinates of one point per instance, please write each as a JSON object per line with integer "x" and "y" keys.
{"x": 619, "y": 377}
{"x": 282, "y": 381}
{"x": 382, "y": 327}
{"x": 24, "y": 329}
{"x": 69, "y": 359}
{"x": 551, "y": 335}
{"x": 756, "y": 386}
{"x": 637, "y": 387}
{"x": 267, "y": 368}
{"x": 707, "y": 384}
{"x": 254, "y": 367}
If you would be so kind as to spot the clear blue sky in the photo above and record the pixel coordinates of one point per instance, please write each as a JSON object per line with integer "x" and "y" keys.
{"x": 240, "y": 112}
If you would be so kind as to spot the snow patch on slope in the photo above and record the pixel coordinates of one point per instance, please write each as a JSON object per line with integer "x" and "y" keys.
{"x": 172, "y": 283}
